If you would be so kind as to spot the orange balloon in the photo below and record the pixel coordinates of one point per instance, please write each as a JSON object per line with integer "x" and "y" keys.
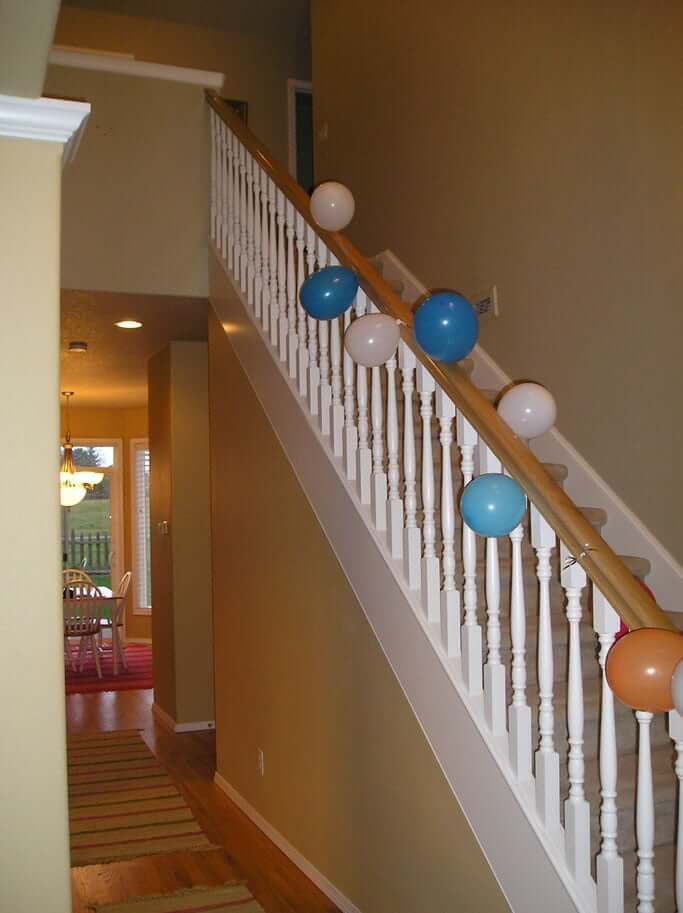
{"x": 640, "y": 666}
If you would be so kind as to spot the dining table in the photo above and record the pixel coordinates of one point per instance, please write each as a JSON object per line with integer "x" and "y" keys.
{"x": 106, "y": 607}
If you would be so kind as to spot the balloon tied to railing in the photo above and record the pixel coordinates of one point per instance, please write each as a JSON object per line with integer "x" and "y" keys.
{"x": 645, "y": 670}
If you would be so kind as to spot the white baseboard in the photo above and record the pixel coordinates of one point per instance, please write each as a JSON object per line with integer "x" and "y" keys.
{"x": 317, "y": 877}
{"x": 167, "y": 721}
{"x": 624, "y": 531}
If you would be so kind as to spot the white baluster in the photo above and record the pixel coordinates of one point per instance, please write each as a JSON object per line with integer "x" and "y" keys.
{"x": 292, "y": 341}
{"x": 645, "y": 818}
{"x": 394, "y": 504}
{"x": 378, "y": 494}
{"x": 609, "y": 864}
{"x": 313, "y": 367}
{"x": 258, "y": 266}
{"x": 230, "y": 181}
{"x": 283, "y": 322}
{"x": 244, "y": 243}
{"x": 494, "y": 670}
{"x": 337, "y": 410}
{"x": 215, "y": 128}
{"x": 450, "y": 598}
{"x": 272, "y": 255}
{"x": 520, "y": 712}
{"x": 471, "y": 640}
{"x": 265, "y": 255}
{"x": 324, "y": 344}
{"x": 302, "y": 345}
{"x": 350, "y": 440}
{"x": 676, "y": 733}
{"x": 236, "y": 211}
{"x": 251, "y": 203}
{"x": 363, "y": 452}
{"x": 430, "y": 563}
{"x": 576, "y": 809}
{"x": 412, "y": 536}
{"x": 547, "y": 760}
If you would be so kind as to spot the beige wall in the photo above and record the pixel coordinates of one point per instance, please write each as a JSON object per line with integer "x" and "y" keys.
{"x": 26, "y": 31}
{"x": 349, "y": 777}
{"x": 34, "y": 856}
{"x": 257, "y": 44}
{"x": 125, "y": 424}
{"x": 181, "y": 561}
{"x": 535, "y": 146}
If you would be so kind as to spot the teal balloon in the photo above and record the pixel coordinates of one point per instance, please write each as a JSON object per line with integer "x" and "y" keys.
{"x": 329, "y": 292}
{"x": 492, "y": 505}
{"x": 446, "y": 326}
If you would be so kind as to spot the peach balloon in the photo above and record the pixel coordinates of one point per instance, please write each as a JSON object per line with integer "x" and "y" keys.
{"x": 640, "y": 667}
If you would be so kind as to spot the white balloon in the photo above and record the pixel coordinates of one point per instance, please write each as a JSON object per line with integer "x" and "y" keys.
{"x": 372, "y": 340}
{"x": 332, "y": 205}
{"x": 677, "y": 687}
{"x": 529, "y": 409}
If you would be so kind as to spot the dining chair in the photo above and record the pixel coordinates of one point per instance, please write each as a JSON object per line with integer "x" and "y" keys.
{"x": 82, "y": 609}
{"x": 73, "y": 575}
{"x": 116, "y": 620}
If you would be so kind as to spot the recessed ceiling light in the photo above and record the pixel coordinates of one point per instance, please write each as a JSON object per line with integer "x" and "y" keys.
{"x": 128, "y": 324}
{"x": 78, "y": 346}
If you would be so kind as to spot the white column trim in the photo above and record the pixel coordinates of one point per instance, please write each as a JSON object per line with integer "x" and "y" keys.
{"x": 127, "y": 65}
{"x": 52, "y": 120}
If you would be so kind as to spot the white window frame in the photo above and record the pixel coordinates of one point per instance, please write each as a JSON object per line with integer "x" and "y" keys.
{"x": 136, "y": 443}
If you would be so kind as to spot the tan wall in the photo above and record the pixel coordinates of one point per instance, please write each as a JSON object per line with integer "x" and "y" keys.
{"x": 26, "y": 31}
{"x": 181, "y": 560}
{"x": 257, "y": 44}
{"x": 125, "y": 424}
{"x": 34, "y": 856}
{"x": 134, "y": 215}
{"x": 535, "y": 146}
{"x": 349, "y": 777}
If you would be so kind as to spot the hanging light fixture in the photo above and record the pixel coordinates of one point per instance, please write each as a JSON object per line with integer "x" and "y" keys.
{"x": 73, "y": 485}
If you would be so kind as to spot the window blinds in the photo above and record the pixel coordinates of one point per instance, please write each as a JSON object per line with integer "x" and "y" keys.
{"x": 141, "y": 546}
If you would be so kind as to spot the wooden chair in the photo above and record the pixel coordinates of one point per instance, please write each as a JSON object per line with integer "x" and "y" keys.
{"x": 116, "y": 621}
{"x": 82, "y": 610}
{"x": 74, "y": 575}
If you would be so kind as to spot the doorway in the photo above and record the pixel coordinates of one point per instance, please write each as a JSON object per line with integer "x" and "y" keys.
{"x": 300, "y": 110}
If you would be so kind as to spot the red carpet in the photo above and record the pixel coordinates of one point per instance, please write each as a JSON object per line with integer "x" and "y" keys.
{"x": 139, "y": 674}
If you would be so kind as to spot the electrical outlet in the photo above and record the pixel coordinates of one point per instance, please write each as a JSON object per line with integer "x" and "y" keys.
{"x": 260, "y": 764}
{"x": 486, "y": 304}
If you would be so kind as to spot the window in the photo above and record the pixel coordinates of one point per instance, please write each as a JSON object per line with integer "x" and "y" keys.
{"x": 142, "y": 569}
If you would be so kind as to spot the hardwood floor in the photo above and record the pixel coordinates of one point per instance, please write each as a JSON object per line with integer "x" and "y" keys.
{"x": 246, "y": 854}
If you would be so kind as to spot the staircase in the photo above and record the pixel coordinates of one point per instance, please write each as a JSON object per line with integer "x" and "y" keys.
{"x": 498, "y": 644}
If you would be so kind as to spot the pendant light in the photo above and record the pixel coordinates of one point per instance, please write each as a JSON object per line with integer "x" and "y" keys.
{"x": 73, "y": 485}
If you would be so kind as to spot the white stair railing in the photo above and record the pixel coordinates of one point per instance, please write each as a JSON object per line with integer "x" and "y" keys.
{"x": 375, "y": 422}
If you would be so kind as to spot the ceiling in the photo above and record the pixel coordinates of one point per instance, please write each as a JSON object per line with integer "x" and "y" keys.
{"x": 113, "y": 372}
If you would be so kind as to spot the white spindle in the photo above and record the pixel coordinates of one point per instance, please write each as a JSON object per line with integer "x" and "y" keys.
{"x": 645, "y": 818}
{"x": 576, "y": 808}
{"x": 430, "y": 562}
{"x": 265, "y": 255}
{"x": 272, "y": 256}
{"x": 609, "y": 864}
{"x": 450, "y": 598}
{"x": 215, "y": 128}
{"x": 283, "y": 322}
{"x": 676, "y": 733}
{"x": 223, "y": 199}
{"x": 302, "y": 345}
{"x": 394, "y": 504}
{"x": 337, "y": 410}
{"x": 520, "y": 711}
{"x": 244, "y": 243}
{"x": 236, "y": 209}
{"x": 547, "y": 759}
{"x": 378, "y": 493}
{"x": 350, "y": 440}
{"x": 325, "y": 395}
{"x": 471, "y": 640}
{"x": 494, "y": 671}
{"x": 412, "y": 537}
{"x": 258, "y": 266}
{"x": 313, "y": 367}
{"x": 292, "y": 341}
{"x": 230, "y": 182}
{"x": 363, "y": 452}
{"x": 251, "y": 203}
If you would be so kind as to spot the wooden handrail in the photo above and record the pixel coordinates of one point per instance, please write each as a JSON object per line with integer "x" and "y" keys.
{"x": 603, "y": 566}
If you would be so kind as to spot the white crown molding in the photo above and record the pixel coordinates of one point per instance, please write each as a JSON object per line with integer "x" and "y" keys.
{"x": 52, "y": 120}
{"x": 127, "y": 65}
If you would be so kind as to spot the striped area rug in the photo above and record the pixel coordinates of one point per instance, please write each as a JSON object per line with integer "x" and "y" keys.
{"x": 122, "y": 803}
{"x": 230, "y": 898}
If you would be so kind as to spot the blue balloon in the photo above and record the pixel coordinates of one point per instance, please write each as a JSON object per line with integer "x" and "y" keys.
{"x": 329, "y": 292}
{"x": 446, "y": 326}
{"x": 492, "y": 505}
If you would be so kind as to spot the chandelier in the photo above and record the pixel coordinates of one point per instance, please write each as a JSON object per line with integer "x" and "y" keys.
{"x": 73, "y": 485}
